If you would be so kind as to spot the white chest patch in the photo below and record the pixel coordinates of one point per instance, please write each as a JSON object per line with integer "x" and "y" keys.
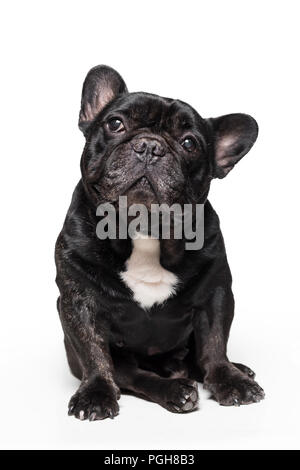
{"x": 148, "y": 280}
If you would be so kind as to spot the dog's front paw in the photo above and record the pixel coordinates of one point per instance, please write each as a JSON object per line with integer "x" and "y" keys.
{"x": 229, "y": 386}
{"x": 94, "y": 401}
{"x": 181, "y": 395}
{"x": 245, "y": 369}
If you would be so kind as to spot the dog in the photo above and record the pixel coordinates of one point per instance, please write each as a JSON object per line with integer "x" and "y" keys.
{"x": 146, "y": 316}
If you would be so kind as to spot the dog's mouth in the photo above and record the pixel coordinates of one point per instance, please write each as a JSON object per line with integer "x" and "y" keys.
{"x": 143, "y": 184}
{"x": 142, "y": 192}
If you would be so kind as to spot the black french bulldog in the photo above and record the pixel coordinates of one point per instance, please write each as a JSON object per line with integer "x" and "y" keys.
{"x": 148, "y": 317}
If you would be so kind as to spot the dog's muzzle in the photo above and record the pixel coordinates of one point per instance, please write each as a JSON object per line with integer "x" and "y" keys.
{"x": 148, "y": 150}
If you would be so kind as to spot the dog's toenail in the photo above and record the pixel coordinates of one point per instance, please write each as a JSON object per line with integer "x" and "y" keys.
{"x": 81, "y": 415}
{"x": 188, "y": 406}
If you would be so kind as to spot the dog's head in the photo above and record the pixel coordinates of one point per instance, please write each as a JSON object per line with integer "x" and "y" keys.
{"x": 154, "y": 149}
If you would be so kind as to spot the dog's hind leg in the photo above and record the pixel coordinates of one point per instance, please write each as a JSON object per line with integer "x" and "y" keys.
{"x": 178, "y": 395}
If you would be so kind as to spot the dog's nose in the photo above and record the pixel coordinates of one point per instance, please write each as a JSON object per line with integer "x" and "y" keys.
{"x": 148, "y": 149}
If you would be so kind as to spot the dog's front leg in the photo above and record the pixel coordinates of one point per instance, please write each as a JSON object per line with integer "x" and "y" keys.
{"x": 229, "y": 383}
{"x": 97, "y": 395}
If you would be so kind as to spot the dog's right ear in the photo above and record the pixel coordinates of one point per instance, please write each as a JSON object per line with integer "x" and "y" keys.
{"x": 102, "y": 85}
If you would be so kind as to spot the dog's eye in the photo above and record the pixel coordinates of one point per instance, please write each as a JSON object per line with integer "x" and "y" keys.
{"x": 115, "y": 125}
{"x": 188, "y": 144}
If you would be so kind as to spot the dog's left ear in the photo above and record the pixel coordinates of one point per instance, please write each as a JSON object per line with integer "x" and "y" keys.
{"x": 232, "y": 137}
{"x": 102, "y": 85}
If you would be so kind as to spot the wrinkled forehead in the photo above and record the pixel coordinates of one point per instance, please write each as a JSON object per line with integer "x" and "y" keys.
{"x": 146, "y": 110}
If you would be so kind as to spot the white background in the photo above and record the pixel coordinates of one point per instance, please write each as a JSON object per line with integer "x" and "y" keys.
{"x": 222, "y": 57}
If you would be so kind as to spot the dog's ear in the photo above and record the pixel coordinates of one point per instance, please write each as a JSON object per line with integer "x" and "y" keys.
{"x": 101, "y": 86}
{"x": 232, "y": 137}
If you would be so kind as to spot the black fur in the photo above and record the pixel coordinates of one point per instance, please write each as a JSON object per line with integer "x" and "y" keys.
{"x": 112, "y": 343}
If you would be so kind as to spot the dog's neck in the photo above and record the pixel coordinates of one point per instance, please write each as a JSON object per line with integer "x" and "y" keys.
{"x": 144, "y": 275}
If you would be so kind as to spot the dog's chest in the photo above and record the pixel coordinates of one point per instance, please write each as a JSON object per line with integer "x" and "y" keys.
{"x": 144, "y": 275}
